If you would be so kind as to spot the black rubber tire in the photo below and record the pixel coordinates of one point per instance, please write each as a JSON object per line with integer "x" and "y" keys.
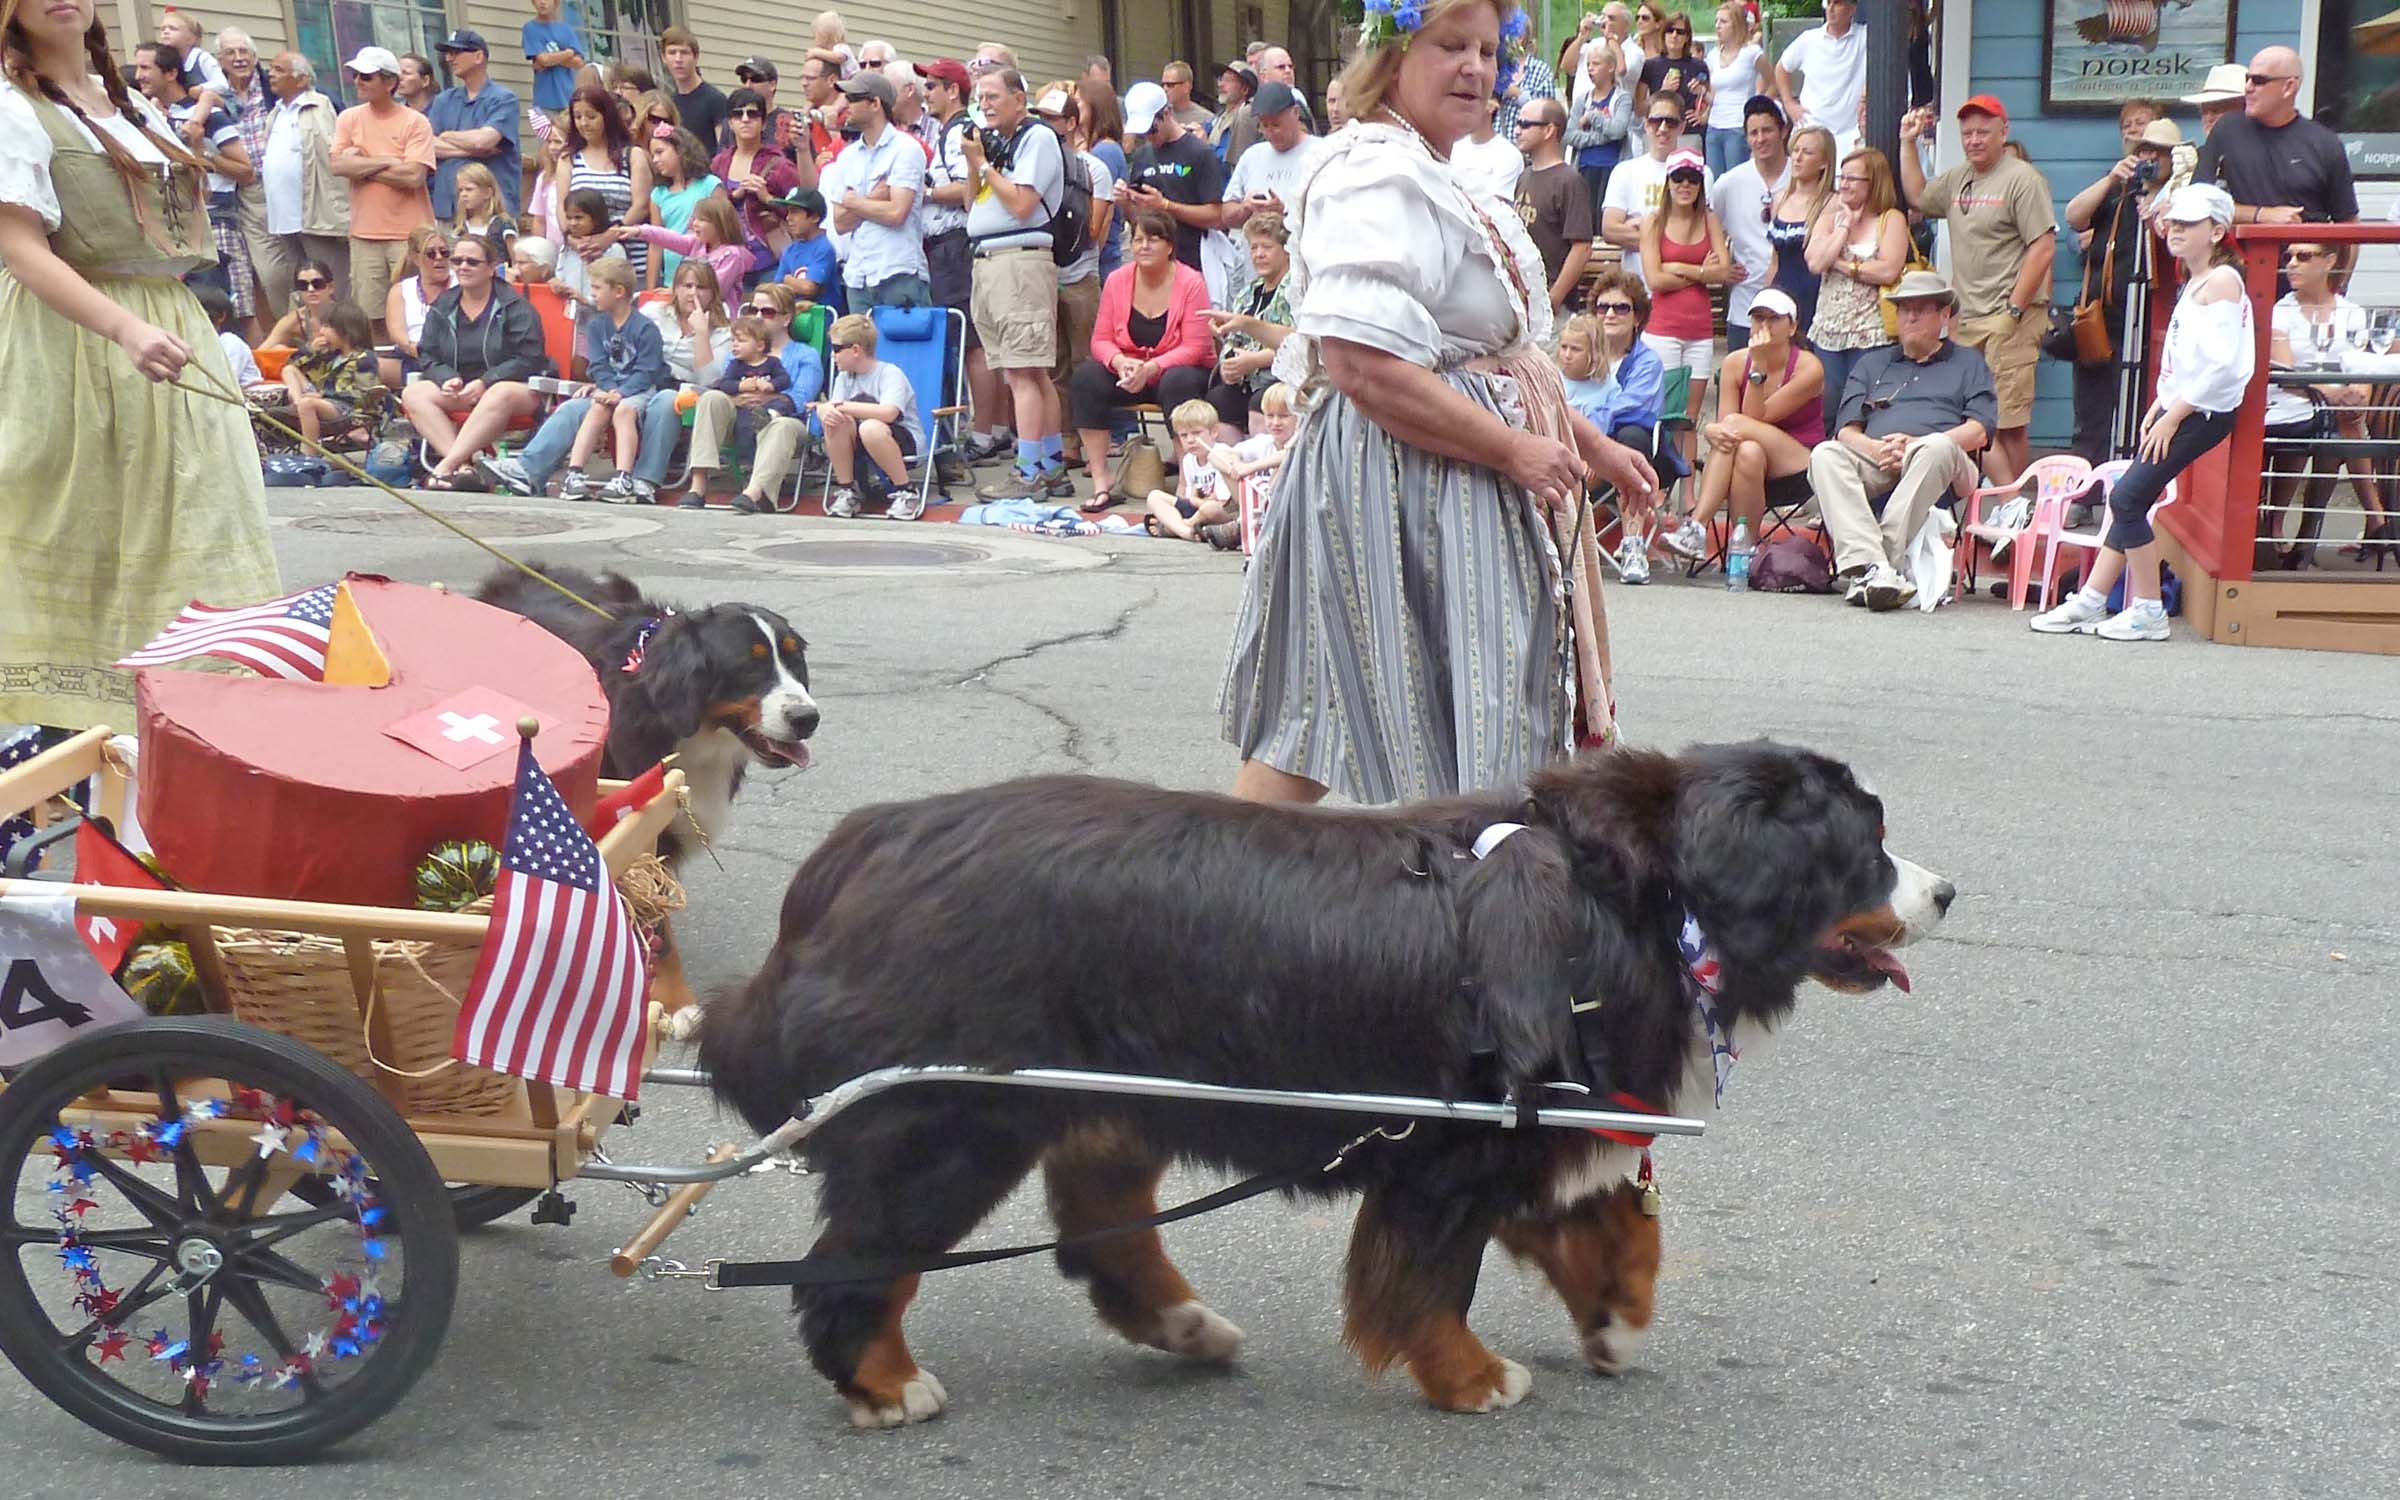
{"x": 473, "y": 1207}
{"x": 408, "y": 1187}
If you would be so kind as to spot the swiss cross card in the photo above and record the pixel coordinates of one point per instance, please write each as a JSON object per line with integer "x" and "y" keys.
{"x": 465, "y": 729}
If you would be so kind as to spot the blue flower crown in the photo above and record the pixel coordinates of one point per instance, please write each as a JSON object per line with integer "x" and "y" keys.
{"x": 1386, "y": 19}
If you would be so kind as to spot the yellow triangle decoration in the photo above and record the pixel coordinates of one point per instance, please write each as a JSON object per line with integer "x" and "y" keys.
{"x": 352, "y": 659}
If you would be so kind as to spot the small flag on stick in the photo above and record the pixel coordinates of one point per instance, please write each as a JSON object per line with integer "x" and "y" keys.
{"x": 280, "y": 638}
{"x": 557, "y": 996}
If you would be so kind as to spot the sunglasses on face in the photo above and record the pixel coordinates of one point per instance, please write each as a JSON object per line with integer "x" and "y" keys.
{"x": 766, "y": 309}
{"x": 746, "y": 112}
{"x": 841, "y": 348}
{"x": 312, "y": 284}
{"x": 1847, "y": 177}
{"x": 2261, "y": 80}
{"x": 1656, "y": 122}
{"x": 1613, "y": 309}
{"x": 467, "y": 262}
{"x": 2297, "y": 256}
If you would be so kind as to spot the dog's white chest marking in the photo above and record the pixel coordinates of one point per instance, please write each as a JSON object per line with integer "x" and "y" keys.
{"x": 709, "y": 761}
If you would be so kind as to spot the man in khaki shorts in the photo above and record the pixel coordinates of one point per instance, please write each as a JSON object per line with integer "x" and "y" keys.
{"x": 1016, "y": 178}
{"x": 385, "y": 149}
{"x": 2003, "y": 239}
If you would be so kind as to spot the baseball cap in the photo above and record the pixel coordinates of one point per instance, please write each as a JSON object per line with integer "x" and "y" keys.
{"x": 2223, "y": 85}
{"x": 1983, "y": 104}
{"x": 375, "y": 60}
{"x": 1273, "y": 98}
{"x": 1052, "y": 103}
{"x": 1687, "y": 161}
{"x": 2195, "y": 201}
{"x": 1777, "y": 301}
{"x": 802, "y": 198}
{"x": 2162, "y": 133}
{"x": 462, "y": 41}
{"x": 757, "y": 67}
{"x": 869, "y": 83}
{"x": 1243, "y": 71}
{"x": 1142, "y": 105}
{"x": 948, "y": 70}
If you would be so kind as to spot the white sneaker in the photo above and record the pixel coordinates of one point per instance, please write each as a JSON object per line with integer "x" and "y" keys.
{"x": 907, "y": 505}
{"x": 842, "y": 503}
{"x": 1690, "y": 540}
{"x": 505, "y": 474}
{"x": 1886, "y": 590}
{"x": 2076, "y": 615}
{"x": 1633, "y": 560}
{"x": 577, "y": 486}
{"x": 2142, "y": 620}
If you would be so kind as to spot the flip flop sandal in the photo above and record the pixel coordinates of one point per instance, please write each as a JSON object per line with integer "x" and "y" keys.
{"x": 1150, "y": 524}
{"x": 1099, "y": 502}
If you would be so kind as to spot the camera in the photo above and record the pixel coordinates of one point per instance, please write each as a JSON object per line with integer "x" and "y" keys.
{"x": 997, "y": 148}
{"x": 2145, "y": 171}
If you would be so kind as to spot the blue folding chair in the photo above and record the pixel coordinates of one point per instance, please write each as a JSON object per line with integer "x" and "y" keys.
{"x": 922, "y": 342}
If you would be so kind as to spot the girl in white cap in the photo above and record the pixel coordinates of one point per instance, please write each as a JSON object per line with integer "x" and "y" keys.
{"x": 2206, "y": 366}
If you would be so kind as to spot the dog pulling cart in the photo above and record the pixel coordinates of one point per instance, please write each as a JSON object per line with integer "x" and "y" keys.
{"x": 233, "y": 1237}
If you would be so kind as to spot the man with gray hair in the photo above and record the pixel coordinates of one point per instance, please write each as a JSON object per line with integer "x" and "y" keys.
{"x": 1274, "y": 65}
{"x": 250, "y": 104}
{"x": 908, "y": 103}
{"x": 877, "y": 54}
{"x": 305, "y": 208}
{"x": 2280, "y": 166}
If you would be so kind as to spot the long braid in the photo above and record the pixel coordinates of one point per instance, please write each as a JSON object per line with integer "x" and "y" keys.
{"x": 137, "y": 175}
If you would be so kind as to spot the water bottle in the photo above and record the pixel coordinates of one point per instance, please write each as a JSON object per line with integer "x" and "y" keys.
{"x": 1737, "y": 559}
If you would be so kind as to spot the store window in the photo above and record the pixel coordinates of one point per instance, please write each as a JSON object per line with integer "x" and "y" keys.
{"x": 330, "y": 32}
{"x": 2358, "y": 83}
{"x": 625, "y": 31}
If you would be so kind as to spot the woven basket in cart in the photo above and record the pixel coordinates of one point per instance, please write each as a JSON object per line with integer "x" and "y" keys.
{"x": 299, "y": 984}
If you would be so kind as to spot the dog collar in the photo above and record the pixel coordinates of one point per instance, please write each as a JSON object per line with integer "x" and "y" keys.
{"x": 641, "y": 643}
{"x": 1493, "y": 837}
{"x": 1705, "y": 975}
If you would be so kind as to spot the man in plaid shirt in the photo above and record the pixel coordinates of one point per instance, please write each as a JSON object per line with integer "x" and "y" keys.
{"x": 253, "y": 109}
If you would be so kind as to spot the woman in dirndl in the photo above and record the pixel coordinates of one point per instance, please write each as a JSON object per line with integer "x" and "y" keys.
{"x": 125, "y": 498}
{"x": 1423, "y": 612}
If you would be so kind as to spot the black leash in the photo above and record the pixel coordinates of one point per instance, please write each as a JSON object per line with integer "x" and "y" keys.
{"x": 822, "y": 1269}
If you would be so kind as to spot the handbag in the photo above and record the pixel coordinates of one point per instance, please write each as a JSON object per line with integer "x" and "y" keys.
{"x": 1891, "y": 309}
{"x": 2087, "y": 341}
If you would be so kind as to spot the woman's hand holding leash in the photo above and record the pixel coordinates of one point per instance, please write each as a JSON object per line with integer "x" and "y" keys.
{"x": 158, "y": 354}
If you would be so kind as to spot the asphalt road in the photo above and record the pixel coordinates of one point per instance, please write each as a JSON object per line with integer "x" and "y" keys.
{"x": 2104, "y": 1209}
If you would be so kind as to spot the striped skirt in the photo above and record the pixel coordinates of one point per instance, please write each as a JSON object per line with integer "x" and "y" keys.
{"x": 1403, "y": 633}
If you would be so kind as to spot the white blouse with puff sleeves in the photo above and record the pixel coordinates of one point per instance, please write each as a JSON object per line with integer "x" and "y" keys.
{"x": 2210, "y": 351}
{"x": 1393, "y": 252}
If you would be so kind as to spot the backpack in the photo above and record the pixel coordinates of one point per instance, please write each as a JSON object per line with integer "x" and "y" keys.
{"x": 1071, "y": 224}
{"x": 1790, "y": 564}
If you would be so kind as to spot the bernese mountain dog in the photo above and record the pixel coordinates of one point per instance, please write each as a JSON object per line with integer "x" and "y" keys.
{"x": 718, "y": 688}
{"x": 1625, "y": 926}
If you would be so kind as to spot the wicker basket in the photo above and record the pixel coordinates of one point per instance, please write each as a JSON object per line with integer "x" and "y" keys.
{"x": 298, "y": 984}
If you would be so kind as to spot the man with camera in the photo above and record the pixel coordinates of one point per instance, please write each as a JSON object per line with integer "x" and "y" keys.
{"x": 1175, "y": 174}
{"x": 1016, "y": 178}
{"x": 2118, "y": 210}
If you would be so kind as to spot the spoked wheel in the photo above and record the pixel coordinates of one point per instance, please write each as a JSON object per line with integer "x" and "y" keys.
{"x": 472, "y": 1206}
{"x": 160, "y": 1280}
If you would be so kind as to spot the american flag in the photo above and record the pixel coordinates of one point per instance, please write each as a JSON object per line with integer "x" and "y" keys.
{"x": 557, "y": 995}
{"x": 281, "y": 638}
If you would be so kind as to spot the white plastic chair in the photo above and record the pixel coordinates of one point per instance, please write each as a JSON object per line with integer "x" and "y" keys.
{"x": 2092, "y": 541}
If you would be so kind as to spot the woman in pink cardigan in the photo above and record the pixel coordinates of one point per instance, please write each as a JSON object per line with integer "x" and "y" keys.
{"x": 716, "y": 237}
{"x": 1150, "y": 344}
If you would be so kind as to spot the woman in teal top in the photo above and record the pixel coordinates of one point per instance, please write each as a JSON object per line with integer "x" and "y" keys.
{"x": 679, "y": 179}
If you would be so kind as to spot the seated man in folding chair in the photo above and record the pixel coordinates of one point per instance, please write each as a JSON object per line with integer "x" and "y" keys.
{"x": 1911, "y": 419}
{"x": 1770, "y": 418}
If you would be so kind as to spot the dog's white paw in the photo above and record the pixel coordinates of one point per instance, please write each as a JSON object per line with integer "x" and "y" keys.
{"x": 684, "y": 1024}
{"x": 921, "y": 1400}
{"x": 1614, "y": 1346}
{"x": 1194, "y": 1330}
{"x": 1515, "y": 1381}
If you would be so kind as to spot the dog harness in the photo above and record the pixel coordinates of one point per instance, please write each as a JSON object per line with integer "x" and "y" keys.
{"x": 1704, "y": 976}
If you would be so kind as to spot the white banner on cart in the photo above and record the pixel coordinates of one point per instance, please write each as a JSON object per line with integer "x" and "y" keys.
{"x": 50, "y": 985}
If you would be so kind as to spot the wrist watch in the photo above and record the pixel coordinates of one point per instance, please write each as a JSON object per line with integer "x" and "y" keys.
{"x": 2016, "y": 314}
{"x": 1757, "y": 376}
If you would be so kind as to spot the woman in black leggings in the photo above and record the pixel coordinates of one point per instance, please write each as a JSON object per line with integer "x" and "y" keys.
{"x": 2209, "y": 358}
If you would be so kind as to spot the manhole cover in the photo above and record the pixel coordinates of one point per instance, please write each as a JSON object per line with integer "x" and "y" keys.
{"x": 873, "y": 554}
{"x": 485, "y": 523}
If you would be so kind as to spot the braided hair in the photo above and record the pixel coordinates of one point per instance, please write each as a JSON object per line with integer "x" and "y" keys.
{"x": 16, "y": 57}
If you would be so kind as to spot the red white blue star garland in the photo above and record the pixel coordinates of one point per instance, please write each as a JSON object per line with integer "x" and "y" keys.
{"x": 356, "y": 1302}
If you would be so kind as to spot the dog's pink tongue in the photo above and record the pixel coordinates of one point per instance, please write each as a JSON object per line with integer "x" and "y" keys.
{"x": 1889, "y": 962}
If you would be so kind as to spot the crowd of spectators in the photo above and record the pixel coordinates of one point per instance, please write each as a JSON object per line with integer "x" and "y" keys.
{"x": 1118, "y": 249}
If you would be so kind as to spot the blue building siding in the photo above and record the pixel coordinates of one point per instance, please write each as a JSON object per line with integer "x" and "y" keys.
{"x": 2073, "y": 150}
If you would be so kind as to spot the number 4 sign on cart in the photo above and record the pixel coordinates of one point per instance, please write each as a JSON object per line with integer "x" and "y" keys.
{"x": 51, "y": 988}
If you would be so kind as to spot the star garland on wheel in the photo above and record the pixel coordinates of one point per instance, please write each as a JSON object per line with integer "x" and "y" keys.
{"x": 356, "y": 1302}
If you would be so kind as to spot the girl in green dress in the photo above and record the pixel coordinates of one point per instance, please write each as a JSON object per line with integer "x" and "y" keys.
{"x": 122, "y": 497}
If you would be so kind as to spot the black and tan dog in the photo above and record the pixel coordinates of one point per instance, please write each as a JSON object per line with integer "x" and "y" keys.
{"x": 720, "y": 688}
{"x": 1650, "y": 913}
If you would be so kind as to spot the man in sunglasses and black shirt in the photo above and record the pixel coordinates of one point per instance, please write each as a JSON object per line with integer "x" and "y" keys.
{"x": 2279, "y": 166}
{"x": 1911, "y": 419}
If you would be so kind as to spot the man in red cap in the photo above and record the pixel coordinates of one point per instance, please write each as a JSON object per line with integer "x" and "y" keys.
{"x": 2003, "y": 239}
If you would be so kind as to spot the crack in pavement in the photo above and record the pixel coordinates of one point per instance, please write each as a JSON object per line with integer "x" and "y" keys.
{"x": 1110, "y": 632}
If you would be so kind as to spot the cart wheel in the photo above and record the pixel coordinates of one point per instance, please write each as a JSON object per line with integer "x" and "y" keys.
{"x": 472, "y": 1206}
{"x": 158, "y": 1281}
